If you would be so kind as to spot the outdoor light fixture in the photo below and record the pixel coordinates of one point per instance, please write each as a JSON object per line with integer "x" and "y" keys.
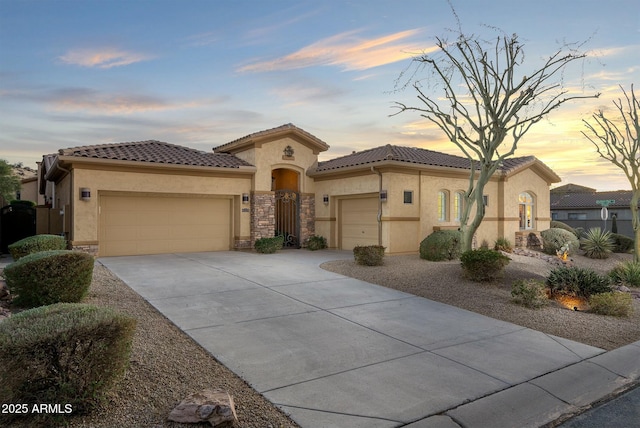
{"x": 325, "y": 199}
{"x": 383, "y": 195}
{"x": 245, "y": 198}
{"x": 288, "y": 151}
{"x": 85, "y": 194}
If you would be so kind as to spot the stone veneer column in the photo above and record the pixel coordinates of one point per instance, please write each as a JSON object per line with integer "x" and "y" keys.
{"x": 307, "y": 216}
{"x": 263, "y": 215}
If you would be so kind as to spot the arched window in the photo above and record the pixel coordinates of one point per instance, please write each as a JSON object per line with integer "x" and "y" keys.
{"x": 457, "y": 205}
{"x": 443, "y": 200}
{"x": 526, "y": 208}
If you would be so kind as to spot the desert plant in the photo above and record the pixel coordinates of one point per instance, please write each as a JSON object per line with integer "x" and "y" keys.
{"x": 50, "y": 277}
{"x": 612, "y": 303}
{"x": 314, "y": 243}
{"x": 626, "y": 273}
{"x": 597, "y": 244}
{"x": 441, "y": 245}
{"x": 483, "y": 265}
{"x": 531, "y": 293}
{"x": 503, "y": 244}
{"x": 575, "y": 281}
{"x": 369, "y": 255}
{"x": 623, "y": 244}
{"x": 554, "y": 239}
{"x": 580, "y": 232}
{"x": 560, "y": 225}
{"x": 269, "y": 245}
{"x": 36, "y": 243}
{"x": 65, "y": 353}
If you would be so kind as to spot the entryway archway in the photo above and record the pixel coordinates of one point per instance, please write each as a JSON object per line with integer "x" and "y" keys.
{"x": 285, "y": 184}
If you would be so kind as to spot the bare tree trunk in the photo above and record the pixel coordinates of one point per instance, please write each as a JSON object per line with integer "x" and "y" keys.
{"x": 635, "y": 221}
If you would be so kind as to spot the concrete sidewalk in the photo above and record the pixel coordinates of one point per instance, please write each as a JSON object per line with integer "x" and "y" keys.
{"x": 334, "y": 351}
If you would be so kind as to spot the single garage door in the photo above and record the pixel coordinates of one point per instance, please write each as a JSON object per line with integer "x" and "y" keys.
{"x": 358, "y": 222}
{"x": 131, "y": 225}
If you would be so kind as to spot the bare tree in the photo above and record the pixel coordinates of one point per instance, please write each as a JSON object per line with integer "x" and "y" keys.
{"x": 617, "y": 142}
{"x": 485, "y": 107}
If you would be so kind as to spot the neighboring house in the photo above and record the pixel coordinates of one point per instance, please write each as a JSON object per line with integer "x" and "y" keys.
{"x": 576, "y": 206}
{"x": 153, "y": 197}
{"x": 29, "y": 186}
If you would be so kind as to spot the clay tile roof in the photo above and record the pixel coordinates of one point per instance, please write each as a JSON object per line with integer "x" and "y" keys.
{"x": 155, "y": 152}
{"x": 586, "y": 199}
{"x": 272, "y": 131}
{"x": 413, "y": 155}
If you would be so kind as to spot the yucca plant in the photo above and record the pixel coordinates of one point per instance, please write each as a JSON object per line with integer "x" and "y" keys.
{"x": 627, "y": 273}
{"x": 597, "y": 244}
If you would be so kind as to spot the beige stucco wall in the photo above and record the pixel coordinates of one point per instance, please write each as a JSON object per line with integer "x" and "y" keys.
{"x": 268, "y": 156}
{"x": 167, "y": 182}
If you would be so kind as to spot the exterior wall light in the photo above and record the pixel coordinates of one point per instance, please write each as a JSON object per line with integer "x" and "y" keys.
{"x": 245, "y": 198}
{"x": 383, "y": 195}
{"x": 85, "y": 194}
{"x": 325, "y": 199}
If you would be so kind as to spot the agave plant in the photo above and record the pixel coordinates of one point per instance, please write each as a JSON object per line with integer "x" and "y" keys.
{"x": 597, "y": 244}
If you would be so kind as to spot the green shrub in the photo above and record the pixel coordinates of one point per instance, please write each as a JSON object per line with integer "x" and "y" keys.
{"x": 554, "y": 239}
{"x": 576, "y": 281}
{"x": 531, "y": 293}
{"x": 66, "y": 353}
{"x": 50, "y": 277}
{"x": 627, "y": 273}
{"x": 623, "y": 244}
{"x": 612, "y": 303}
{"x": 36, "y": 243}
{"x": 269, "y": 245}
{"x": 503, "y": 244}
{"x": 369, "y": 255}
{"x": 560, "y": 225}
{"x": 483, "y": 265}
{"x": 441, "y": 245}
{"x": 316, "y": 243}
{"x": 597, "y": 244}
{"x": 22, "y": 202}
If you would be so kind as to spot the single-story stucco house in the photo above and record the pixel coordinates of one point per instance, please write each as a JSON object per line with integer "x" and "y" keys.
{"x": 152, "y": 197}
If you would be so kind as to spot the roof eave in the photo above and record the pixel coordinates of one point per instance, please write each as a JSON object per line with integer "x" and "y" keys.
{"x": 70, "y": 160}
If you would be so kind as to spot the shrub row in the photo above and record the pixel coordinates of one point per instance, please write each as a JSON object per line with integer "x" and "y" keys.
{"x": 49, "y": 277}
{"x": 37, "y": 243}
{"x": 621, "y": 243}
{"x": 64, "y": 353}
{"x": 269, "y": 245}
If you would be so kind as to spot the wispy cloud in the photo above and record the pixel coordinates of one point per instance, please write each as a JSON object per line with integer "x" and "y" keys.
{"x": 345, "y": 50}
{"x": 102, "y": 57}
{"x": 93, "y": 101}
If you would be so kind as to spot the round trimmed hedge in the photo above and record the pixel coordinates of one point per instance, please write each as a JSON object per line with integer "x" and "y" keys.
{"x": 50, "y": 277}
{"x": 35, "y": 244}
{"x": 441, "y": 245}
{"x": 554, "y": 239}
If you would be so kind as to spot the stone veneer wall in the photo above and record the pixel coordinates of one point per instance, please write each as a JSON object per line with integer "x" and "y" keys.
{"x": 263, "y": 216}
{"x": 91, "y": 249}
{"x": 307, "y": 216}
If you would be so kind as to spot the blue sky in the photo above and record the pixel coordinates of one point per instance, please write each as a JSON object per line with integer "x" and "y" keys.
{"x": 202, "y": 73}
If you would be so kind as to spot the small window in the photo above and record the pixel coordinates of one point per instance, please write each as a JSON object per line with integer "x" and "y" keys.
{"x": 577, "y": 216}
{"x": 554, "y": 216}
{"x": 457, "y": 205}
{"x": 442, "y": 205}
{"x": 408, "y": 196}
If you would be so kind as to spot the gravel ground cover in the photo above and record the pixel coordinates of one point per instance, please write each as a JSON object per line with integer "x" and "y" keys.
{"x": 443, "y": 282}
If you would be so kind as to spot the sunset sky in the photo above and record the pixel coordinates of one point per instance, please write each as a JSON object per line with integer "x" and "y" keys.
{"x": 201, "y": 73}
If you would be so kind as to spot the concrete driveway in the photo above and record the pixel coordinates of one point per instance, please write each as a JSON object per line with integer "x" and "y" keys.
{"x": 333, "y": 351}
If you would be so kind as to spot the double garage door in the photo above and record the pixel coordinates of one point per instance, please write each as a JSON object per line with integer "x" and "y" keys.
{"x": 132, "y": 224}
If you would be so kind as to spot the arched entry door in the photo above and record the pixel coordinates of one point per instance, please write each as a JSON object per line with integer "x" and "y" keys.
{"x": 287, "y": 197}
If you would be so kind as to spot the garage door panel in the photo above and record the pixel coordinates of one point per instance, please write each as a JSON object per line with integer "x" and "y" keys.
{"x": 358, "y": 222}
{"x": 156, "y": 225}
